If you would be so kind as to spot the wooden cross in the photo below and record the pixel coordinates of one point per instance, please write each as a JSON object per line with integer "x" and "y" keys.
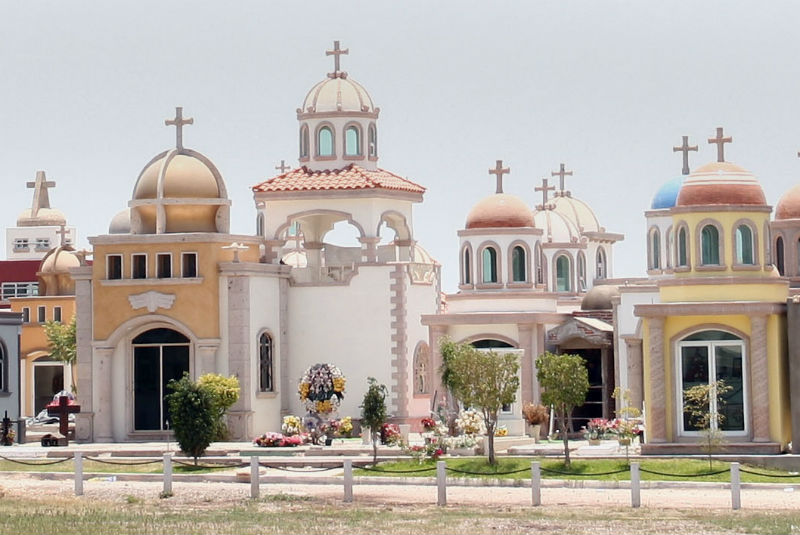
{"x": 544, "y": 189}
{"x": 40, "y": 197}
{"x": 336, "y": 52}
{"x": 178, "y": 122}
{"x": 720, "y": 142}
{"x": 283, "y": 167}
{"x": 62, "y": 410}
{"x": 63, "y": 232}
{"x": 499, "y": 171}
{"x": 561, "y": 173}
{"x": 685, "y": 148}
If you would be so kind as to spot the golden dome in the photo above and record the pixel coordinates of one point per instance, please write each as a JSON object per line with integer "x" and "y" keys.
{"x": 500, "y": 210}
{"x": 54, "y": 277}
{"x": 185, "y": 177}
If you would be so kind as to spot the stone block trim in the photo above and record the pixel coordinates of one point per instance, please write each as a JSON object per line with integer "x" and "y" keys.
{"x": 399, "y": 325}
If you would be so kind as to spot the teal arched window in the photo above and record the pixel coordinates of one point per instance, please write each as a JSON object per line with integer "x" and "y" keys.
{"x": 467, "y": 267}
{"x": 709, "y": 244}
{"x": 325, "y": 141}
{"x": 518, "y": 268}
{"x": 655, "y": 249}
{"x": 563, "y": 274}
{"x": 489, "y": 265}
{"x": 682, "y": 258}
{"x": 744, "y": 245}
{"x": 352, "y": 141}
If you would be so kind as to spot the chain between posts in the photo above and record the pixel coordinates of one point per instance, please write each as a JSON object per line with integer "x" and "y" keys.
{"x": 37, "y": 463}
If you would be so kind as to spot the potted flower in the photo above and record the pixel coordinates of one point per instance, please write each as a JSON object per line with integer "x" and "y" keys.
{"x": 536, "y": 416}
{"x": 595, "y": 430}
{"x": 462, "y": 445}
{"x": 625, "y": 430}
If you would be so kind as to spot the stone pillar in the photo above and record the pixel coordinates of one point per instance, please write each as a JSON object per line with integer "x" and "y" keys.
{"x": 84, "y": 421}
{"x": 399, "y": 330}
{"x": 404, "y": 250}
{"x": 437, "y": 332}
{"x": 793, "y": 330}
{"x": 759, "y": 379}
{"x": 313, "y": 253}
{"x": 369, "y": 249}
{"x": 527, "y": 368}
{"x": 104, "y": 401}
{"x": 635, "y": 376}
{"x": 657, "y": 409}
{"x": 206, "y": 358}
{"x": 287, "y": 389}
{"x": 240, "y": 417}
{"x": 272, "y": 249}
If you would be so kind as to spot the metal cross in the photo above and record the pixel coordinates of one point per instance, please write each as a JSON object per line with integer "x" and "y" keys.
{"x": 283, "y": 167}
{"x": 63, "y": 232}
{"x": 40, "y": 197}
{"x": 561, "y": 173}
{"x": 336, "y": 52}
{"x": 544, "y": 189}
{"x": 720, "y": 142}
{"x": 178, "y": 122}
{"x": 685, "y": 148}
{"x": 499, "y": 171}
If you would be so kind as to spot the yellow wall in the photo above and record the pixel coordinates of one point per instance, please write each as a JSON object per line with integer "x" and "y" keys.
{"x": 772, "y": 291}
{"x": 196, "y": 304}
{"x": 780, "y": 417}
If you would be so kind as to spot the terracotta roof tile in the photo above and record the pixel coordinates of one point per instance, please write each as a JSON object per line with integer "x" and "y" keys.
{"x": 351, "y": 177}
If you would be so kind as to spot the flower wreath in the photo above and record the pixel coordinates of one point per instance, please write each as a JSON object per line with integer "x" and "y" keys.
{"x": 321, "y": 388}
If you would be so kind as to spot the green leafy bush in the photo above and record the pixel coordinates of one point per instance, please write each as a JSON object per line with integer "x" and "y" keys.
{"x": 224, "y": 393}
{"x": 193, "y": 415}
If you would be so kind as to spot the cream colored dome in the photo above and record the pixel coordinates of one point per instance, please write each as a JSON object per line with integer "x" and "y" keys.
{"x": 500, "y": 210}
{"x": 53, "y": 274}
{"x": 45, "y": 217}
{"x": 185, "y": 177}
{"x": 556, "y": 227}
{"x": 338, "y": 94}
{"x": 578, "y": 211}
{"x": 600, "y": 297}
{"x": 121, "y": 223}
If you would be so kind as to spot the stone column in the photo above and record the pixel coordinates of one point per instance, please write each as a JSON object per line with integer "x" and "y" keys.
{"x": 759, "y": 379}
{"x": 437, "y": 332}
{"x": 104, "y": 406}
{"x": 657, "y": 409}
{"x": 369, "y": 249}
{"x": 240, "y": 417}
{"x": 404, "y": 250}
{"x": 287, "y": 389}
{"x": 313, "y": 253}
{"x": 84, "y": 423}
{"x": 635, "y": 376}
{"x": 526, "y": 333}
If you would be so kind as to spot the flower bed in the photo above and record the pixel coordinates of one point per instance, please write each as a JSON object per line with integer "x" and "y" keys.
{"x": 279, "y": 440}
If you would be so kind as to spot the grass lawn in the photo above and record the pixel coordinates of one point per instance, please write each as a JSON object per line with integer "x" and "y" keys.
{"x": 283, "y": 513}
{"x": 94, "y": 466}
{"x": 580, "y": 469}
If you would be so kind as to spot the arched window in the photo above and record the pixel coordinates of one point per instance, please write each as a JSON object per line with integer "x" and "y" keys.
{"x": 601, "y": 263}
{"x": 655, "y": 249}
{"x": 539, "y": 264}
{"x": 304, "y": 141}
{"x": 581, "y": 271}
{"x": 265, "y": 364}
{"x": 489, "y": 265}
{"x": 325, "y": 142}
{"x": 744, "y": 245}
{"x": 260, "y": 224}
{"x": 563, "y": 274}
{"x": 352, "y": 141}
{"x": 670, "y": 249}
{"x": 518, "y": 267}
{"x": 682, "y": 258}
{"x": 422, "y": 366}
{"x": 467, "y": 278}
{"x": 705, "y": 358}
{"x": 709, "y": 245}
{"x": 779, "y": 255}
{"x": 373, "y": 141}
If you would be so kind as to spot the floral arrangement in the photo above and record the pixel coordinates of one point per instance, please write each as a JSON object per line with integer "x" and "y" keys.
{"x": 428, "y": 451}
{"x": 278, "y": 440}
{"x": 470, "y": 422}
{"x": 428, "y": 424}
{"x": 321, "y": 388}
{"x": 342, "y": 427}
{"x": 596, "y": 429}
{"x": 626, "y": 428}
{"x": 501, "y": 431}
{"x": 390, "y": 435}
{"x": 292, "y": 425}
{"x": 461, "y": 441}
{"x": 535, "y": 414}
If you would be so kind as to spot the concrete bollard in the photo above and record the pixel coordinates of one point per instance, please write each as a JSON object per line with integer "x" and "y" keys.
{"x": 348, "y": 481}
{"x": 736, "y": 496}
{"x": 636, "y": 498}
{"x": 78, "y": 460}
{"x": 167, "y": 474}
{"x": 536, "y": 484}
{"x": 441, "y": 483}
{"x": 254, "y": 477}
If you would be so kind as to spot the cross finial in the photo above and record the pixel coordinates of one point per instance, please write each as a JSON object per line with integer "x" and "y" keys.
{"x": 544, "y": 188}
{"x": 685, "y": 148}
{"x": 720, "y": 142}
{"x": 63, "y": 232}
{"x": 283, "y": 167}
{"x": 499, "y": 171}
{"x": 561, "y": 173}
{"x": 336, "y": 52}
{"x": 178, "y": 122}
{"x": 40, "y": 197}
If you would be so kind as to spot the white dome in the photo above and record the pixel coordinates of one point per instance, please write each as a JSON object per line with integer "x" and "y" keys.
{"x": 338, "y": 94}
{"x": 556, "y": 227}
{"x": 45, "y": 217}
{"x": 578, "y": 212}
{"x": 121, "y": 223}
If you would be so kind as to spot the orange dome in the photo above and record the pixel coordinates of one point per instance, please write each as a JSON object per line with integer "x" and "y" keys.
{"x": 500, "y": 211}
{"x": 721, "y": 183}
{"x": 789, "y": 205}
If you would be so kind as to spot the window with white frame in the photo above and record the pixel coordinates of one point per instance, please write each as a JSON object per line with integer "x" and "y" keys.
{"x": 265, "y": 363}
{"x": 18, "y": 289}
{"x": 21, "y": 244}
{"x": 41, "y": 314}
{"x": 26, "y": 315}
{"x": 114, "y": 266}
{"x": 189, "y": 265}
{"x": 57, "y": 314}
{"x": 138, "y": 266}
{"x": 164, "y": 265}
{"x": 42, "y": 244}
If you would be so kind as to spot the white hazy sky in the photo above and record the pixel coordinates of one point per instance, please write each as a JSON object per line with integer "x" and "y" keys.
{"x": 606, "y": 87}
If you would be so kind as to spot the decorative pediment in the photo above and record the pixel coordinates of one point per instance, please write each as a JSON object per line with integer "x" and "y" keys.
{"x": 151, "y": 300}
{"x": 590, "y": 330}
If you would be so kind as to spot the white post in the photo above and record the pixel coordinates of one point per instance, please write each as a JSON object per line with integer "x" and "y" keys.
{"x": 348, "y": 481}
{"x": 636, "y": 499}
{"x": 736, "y": 497}
{"x": 536, "y": 484}
{"x": 78, "y": 473}
{"x": 254, "y": 483}
{"x": 167, "y": 474}
{"x": 441, "y": 483}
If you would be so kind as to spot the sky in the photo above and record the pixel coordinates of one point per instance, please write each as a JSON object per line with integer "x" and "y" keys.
{"x": 606, "y": 87}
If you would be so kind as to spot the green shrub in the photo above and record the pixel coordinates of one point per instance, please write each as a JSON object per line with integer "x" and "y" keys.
{"x": 224, "y": 393}
{"x": 373, "y": 412}
{"x": 192, "y": 413}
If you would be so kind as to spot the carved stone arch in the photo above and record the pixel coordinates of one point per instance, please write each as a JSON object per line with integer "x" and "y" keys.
{"x": 423, "y": 370}
{"x": 527, "y": 266}
{"x": 329, "y": 125}
{"x": 479, "y": 262}
{"x": 554, "y": 269}
{"x": 133, "y": 327}
{"x": 698, "y": 239}
{"x": 687, "y": 246}
{"x": 652, "y": 232}
{"x": 490, "y": 336}
{"x": 395, "y": 221}
{"x": 343, "y": 216}
{"x": 467, "y": 265}
{"x": 754, "y": 232}
{"x": 360, "y": 132}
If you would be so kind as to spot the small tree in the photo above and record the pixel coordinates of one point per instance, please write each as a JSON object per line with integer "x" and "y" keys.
{"x": 192, "y": 413}
{"x": 373, "y": 412}
{"x": 484, "y": 380}
{"x": 697, "y": 406}
{"x": 565, "y": 382}
{"x": 61, "y": 342}
{"x": 224, "y": 393}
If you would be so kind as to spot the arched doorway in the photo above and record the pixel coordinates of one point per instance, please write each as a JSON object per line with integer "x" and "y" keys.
{"x": 159, "y": 355}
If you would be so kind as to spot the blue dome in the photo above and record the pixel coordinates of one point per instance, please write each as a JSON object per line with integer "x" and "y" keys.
{"x": 667, "y": 195}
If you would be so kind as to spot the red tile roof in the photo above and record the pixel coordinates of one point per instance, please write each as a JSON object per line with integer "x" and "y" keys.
{"x": 351, "y": 177}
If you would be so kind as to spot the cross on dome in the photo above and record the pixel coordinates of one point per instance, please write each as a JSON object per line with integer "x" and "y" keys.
{"x": 499, "y": 171}
{"x": 561, "y": 173}
{"x": 178, "y": 122}
{"x": 720, "y": 142}
{"x": 40, "y": 197}
{"x": 544, "y": 188}
{"x": 283, "y": 167}
{"x": 685, "y": 148}
{"x": 63, "y": 232}
{"x": 336, "y": 52}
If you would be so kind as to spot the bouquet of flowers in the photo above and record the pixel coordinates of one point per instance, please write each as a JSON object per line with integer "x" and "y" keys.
{"x": 596, "y": 429}
{"x": 501, "y": 431}
{"x": 625, "y": 428}
{"x": 321, "y": 388}
{"x": 278, "y": 440}
{"x": 421, "y": 453}
{"x": 291, "y": 426}
{"x": 470, "y": 422}
{"x": 390, "y": 435}
{"x": 428, "y": 424}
